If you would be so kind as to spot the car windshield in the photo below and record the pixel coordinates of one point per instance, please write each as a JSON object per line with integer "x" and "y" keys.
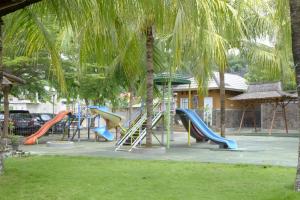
{"x": 20, "y": 116}
{"x": 45, "y": 117}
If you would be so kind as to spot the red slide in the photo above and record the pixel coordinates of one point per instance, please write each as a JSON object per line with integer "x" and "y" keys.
{"x": 43, "y": 130}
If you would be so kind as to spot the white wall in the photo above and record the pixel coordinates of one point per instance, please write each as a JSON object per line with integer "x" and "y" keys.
{"x": 37, "y": 107}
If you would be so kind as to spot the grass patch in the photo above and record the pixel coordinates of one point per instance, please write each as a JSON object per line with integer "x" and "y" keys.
{"x": 59, "y": 177}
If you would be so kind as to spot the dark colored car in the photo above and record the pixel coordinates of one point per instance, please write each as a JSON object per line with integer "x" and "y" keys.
{"x": 22, "y": 121}
{"x": 43, "y": 118}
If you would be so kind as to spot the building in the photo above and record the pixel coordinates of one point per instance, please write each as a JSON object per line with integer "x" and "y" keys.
{"x": 209, "y": 105}
{"x": 277, "y": 107}
{"x": 37, "y": 107}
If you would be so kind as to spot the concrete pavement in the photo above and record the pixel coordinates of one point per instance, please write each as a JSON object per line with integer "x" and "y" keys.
{"x": 261, "y": 150}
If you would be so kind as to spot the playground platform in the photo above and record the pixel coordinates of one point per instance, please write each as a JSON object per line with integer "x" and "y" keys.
{"x": 259, "y": 150}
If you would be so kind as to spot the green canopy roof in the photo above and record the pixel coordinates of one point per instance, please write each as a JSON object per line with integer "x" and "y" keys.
{"x": 176, "y": 79}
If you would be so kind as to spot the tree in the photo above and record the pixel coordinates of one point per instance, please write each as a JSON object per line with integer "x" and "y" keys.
{"x": 33, "y": 70}
{"x": 295, "y": 27}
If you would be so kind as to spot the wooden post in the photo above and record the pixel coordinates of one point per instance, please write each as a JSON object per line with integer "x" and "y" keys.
{"x": 190, "y": 105}
{"x": 274, "y": 113}
{"x": 242, "y": 119}
{"x": 284, "y": 117}
{"x": 254, "y": 118}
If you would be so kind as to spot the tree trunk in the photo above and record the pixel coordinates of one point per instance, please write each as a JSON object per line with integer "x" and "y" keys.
{"x": 150, "y": 71}
{"x": 295, "y": 25}
{"x": 222, "y": 101}
{"x": 1, "y": 79}
{"x": 6, "y": 90}
{"x": 1, "y": 163}
{"x": 86, "y": 101}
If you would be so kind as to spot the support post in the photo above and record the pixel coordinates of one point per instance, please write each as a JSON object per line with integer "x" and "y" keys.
{"x": 254, "y": 118}
{"x": 284, "y": 117}
{"x": 163, "y": 117}
{"x": 169, "y": 110}
{"x": 242, "y": 119}
{"x": 273, "y": 118}
{"x": 189, "y": 131}
{"x": 88, "y": 124}
{"x": 79, "y": 121}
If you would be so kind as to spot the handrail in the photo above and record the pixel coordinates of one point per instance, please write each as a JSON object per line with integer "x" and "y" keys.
{"x": 144, "y": 132}
{"x": 136, "y": 126}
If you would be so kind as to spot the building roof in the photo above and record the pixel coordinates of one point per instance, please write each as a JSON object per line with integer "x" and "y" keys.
{"x": 9, "y": 79}
{"x": 233, "y": 82}
{"x": 264, "y": 92}
{"x": 176, "y": 79}
{"x": 9, "y": 6}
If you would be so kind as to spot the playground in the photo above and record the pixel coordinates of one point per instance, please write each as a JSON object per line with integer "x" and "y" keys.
{"x": 149, "y": 100}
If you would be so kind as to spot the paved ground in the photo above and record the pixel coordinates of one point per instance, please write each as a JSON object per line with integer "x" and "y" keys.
{"x": 262, "y": 150}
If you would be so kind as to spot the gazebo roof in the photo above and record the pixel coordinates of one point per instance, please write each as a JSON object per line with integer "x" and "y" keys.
{"x": 266, "y": 92}
{"x": 176, "y": 79}
{"x": 9, "y": 79}
{"x": 9, "y": 6}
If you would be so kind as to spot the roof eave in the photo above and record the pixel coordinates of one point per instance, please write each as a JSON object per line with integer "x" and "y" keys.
{"x": 9, "y": 6}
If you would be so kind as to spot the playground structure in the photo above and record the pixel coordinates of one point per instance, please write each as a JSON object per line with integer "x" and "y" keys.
{"x": 112, "y": 121}
{"x": 33, "y": 139}
{"x": 135, "y": 132}
{"x": 199, "y": 129}
{"x": 74, "y": 121}
{"x": 193, "y": 123}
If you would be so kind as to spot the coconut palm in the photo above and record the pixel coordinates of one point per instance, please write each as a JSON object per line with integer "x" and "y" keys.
{"x": 107, "y": 28}
{"x": 295, "y": 27}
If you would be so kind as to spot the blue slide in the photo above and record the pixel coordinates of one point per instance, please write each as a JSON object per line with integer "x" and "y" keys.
{"x": 204, "y": 130}
{"x": 101, "y": 131}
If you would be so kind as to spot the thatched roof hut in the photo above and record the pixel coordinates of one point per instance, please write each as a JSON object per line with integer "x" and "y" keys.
{"x": 266, "y": 93}
{"x": 9, "y": 79}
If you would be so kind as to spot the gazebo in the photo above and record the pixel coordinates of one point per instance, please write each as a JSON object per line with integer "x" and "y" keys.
{"x": 271, "y": 93}
{"x": 166, "y": 80}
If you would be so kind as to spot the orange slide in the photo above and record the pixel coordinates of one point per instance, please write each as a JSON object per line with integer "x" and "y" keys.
{"x": 32, "y": 139}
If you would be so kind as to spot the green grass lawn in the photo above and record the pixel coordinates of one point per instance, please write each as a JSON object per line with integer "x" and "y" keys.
{"x": 57, "y": 177}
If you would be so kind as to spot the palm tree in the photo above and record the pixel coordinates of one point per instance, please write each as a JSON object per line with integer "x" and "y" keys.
{"x": 222, "y": 101}
{"x": 150, "y": 71}
{"x": 295, "y": 25}
{"x": 6, "y": 8}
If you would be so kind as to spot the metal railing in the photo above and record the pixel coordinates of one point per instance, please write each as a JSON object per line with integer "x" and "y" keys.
{"x": 139, "y": 125}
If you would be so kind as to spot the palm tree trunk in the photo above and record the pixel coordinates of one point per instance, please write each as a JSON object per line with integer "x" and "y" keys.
{"x": 1, "y": 79}
{"x": 295, "y": 25}
{"x": 150, "y": 71}
{"x": 222, "y": 102}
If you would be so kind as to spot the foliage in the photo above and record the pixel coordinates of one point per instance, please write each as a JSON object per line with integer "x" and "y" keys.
{"x": 14, "y": 139}
{"x": 33, "y": 70}
{"x": 108, "y": 37}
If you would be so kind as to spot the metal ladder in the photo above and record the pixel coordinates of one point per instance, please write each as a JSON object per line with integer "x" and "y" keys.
{"x": 137, "y": 126}
{"x": 131, "y": 131}
{"x": 144, "y": 132}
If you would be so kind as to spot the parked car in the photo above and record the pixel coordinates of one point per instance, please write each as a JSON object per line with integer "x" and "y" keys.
{"x": 43, "y": 118}
{"x": 23, "y": 122}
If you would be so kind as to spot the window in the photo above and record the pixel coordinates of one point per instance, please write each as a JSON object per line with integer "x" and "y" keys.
{"x": 184, "y": 103}
{"x": 208, "y": 109}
